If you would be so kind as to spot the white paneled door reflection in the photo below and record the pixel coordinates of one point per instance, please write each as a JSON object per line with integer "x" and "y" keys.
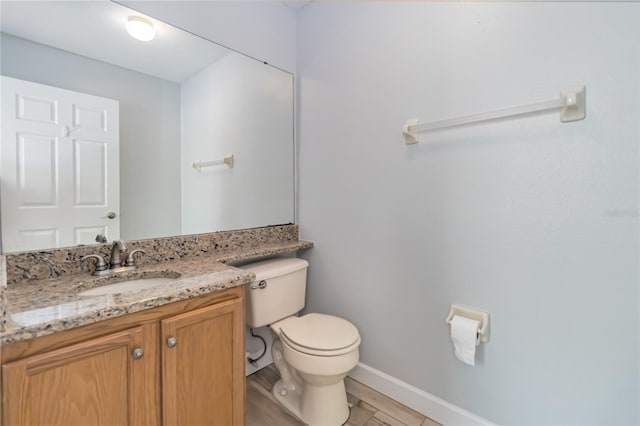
{"x": 59, "y": 157}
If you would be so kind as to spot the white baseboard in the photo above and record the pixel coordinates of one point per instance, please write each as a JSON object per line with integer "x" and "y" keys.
{"x": 429, "y": 405}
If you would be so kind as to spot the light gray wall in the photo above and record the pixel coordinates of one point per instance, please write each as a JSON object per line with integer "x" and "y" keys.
{"x": 237, "y": 106}
{"x": 533, "y": 220}
{"x": 149, "y": 128}
{"x": 263, "y": 30}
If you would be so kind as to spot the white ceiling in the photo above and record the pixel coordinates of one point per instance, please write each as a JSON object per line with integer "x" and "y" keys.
{"x": 97, "y": 29}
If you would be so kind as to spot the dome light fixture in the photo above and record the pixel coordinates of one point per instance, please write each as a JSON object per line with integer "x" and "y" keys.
{"x": 140, "y": 28}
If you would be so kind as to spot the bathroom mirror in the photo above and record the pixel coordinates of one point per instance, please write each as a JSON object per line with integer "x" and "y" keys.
{"x": 74, "y": 80}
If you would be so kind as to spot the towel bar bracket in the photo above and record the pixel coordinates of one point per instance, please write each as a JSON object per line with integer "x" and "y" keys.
{"x": 575, "y": 107}
{"x": 411, "y": 137}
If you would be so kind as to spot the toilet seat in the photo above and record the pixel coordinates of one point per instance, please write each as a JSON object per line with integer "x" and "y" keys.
{"x": 319, "y": 334}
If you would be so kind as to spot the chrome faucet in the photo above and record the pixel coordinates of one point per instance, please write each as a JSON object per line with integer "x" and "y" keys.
{"x": 116, "y": 252}
{"x": 118, "y": 249}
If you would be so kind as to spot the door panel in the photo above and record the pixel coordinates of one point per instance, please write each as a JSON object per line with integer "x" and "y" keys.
{"x": 60, "y": 149}
{"x": 37, "y": 109}
{"x": 87, "y": 234}
{"x": 90, "y": 177}
{"x": 40, "y": 237}
{"x": 37, "y": 170}
{"x": 89, "y": 119}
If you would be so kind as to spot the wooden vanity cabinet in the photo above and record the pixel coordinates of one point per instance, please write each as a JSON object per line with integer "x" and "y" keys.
{"x": 179, "y": 364}
{"x": 99, "y": 381}
{"x": 200, "y": 364}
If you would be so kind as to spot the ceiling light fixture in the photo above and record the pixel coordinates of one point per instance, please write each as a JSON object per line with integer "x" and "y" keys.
{"x": 140, "y": 28}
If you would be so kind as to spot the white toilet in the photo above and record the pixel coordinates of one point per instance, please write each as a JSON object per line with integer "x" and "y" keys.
{"x": 313, "y": 353}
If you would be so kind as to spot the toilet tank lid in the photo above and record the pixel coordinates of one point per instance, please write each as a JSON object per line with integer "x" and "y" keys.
{"x": 275, "y": 267}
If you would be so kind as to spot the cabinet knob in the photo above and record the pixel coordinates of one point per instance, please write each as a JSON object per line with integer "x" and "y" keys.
{"x": 138, "y": 353}
{"x": 172, "y": 341}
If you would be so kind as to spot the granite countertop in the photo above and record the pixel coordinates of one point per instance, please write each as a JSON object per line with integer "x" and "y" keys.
{"x": 44, "y": 307}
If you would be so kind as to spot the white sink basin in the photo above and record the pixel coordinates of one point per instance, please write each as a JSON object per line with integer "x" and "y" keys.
{"x": 130, "y": 285}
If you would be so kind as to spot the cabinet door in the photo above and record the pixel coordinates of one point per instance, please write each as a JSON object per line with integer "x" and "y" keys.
{"x": 97, "y": 382}
{"x": 203, "y": 366}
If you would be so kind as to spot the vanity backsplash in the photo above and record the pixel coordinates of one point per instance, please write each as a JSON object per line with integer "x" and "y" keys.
{"x": 56, "y": 263}
{"x": 3, "y": 284}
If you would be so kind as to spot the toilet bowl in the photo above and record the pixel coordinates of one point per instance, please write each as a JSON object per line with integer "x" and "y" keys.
{"x": 313, "y": 353}
{"x": 321, "y": 349}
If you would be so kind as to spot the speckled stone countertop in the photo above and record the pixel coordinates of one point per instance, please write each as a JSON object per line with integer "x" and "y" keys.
{"x": 46, "y": 306}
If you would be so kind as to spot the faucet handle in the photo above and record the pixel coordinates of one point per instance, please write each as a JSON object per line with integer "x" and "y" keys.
{"x": 101, "y": 264}
{"x": 130, "y": 261}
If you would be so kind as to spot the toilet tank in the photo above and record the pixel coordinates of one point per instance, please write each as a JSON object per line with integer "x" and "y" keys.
{"x": 277, "y": 292}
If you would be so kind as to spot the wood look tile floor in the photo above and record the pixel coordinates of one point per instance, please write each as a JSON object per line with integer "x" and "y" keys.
{"x": 369, "y": 408}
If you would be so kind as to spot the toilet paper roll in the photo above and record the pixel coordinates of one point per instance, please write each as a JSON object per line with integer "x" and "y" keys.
{"x": 463, "y": 334}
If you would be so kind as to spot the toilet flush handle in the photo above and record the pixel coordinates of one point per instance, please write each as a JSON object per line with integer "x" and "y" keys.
{"x": 262, "y": 284}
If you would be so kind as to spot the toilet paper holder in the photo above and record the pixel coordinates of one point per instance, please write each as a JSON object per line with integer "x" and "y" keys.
{"x": 475, "y": 314}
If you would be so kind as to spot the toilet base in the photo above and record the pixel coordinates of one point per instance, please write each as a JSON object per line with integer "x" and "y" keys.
{"x": 289, "y": 399}
{"x": 319, "y": 404}
{"x": 312, "y": 406}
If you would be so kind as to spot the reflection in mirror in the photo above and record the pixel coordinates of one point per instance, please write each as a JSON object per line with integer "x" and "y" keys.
{"x": 101, "y": 131}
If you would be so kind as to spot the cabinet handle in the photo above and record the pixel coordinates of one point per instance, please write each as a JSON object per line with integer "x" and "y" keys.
{"x": 138, "y": 353}
{"x": 171, "y": 342}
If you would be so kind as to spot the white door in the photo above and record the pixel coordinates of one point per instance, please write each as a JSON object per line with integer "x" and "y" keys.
{"x": 59, "y": 155}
